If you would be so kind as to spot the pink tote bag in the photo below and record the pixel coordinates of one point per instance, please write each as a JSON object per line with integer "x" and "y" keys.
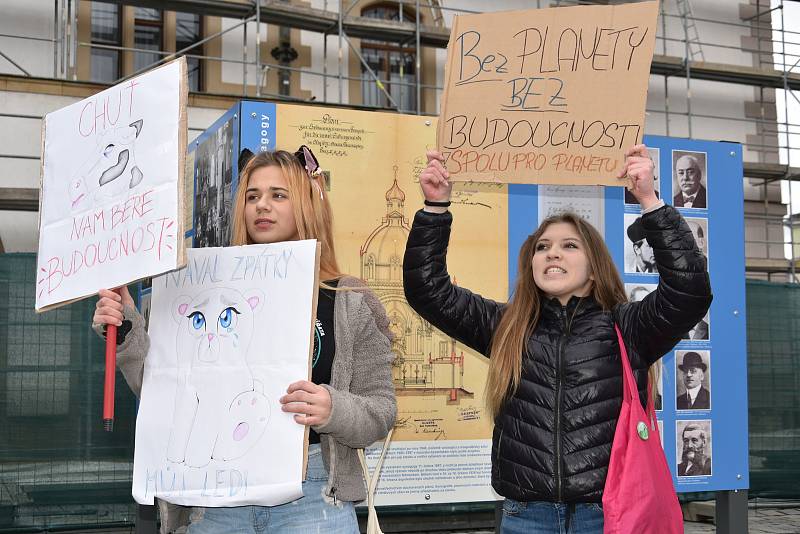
{"x": 639, "y": 497}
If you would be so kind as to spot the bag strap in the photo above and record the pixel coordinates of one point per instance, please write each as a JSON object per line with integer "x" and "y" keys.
{"x": 629, "y": 390}
{"x": 373, "y": 527}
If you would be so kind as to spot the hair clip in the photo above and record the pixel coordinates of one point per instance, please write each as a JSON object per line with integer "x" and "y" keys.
{"x": 244, "y": 157}
{"x": 309, "y": 162}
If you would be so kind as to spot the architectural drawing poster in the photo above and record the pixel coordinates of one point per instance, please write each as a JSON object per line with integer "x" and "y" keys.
{"x": 229, "y": 333}
{"x": 440, "y": 448}
{"x": 112, "y": 175}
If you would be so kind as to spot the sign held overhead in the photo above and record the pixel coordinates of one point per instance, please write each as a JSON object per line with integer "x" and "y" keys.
{"x": 546, "y": 95}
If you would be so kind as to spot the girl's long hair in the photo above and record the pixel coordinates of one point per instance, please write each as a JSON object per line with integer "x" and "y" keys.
{"x": 522, "y": 313}
{"x": 312, "y": 210}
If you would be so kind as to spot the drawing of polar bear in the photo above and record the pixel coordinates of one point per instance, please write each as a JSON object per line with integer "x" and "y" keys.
{"x": 220, "y": 411}
{"x": 111, "y": 170}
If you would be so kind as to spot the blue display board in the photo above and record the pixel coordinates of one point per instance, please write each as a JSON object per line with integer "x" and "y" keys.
{"x": 259, "y": 126}
{"x": 714, "y": 358}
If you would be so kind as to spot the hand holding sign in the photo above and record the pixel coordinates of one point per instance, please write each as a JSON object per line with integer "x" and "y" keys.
{"x": 110, "y": 306}
{"x": 639, "y": 169}
{"x": 434, "y": 179}
{"x": 311, "y": 403}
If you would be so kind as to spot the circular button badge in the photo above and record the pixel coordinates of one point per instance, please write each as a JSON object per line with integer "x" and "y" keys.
{"x": 641, "y": 428}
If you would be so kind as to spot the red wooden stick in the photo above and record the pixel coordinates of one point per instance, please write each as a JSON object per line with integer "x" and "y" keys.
{"x": 110, "y": 377}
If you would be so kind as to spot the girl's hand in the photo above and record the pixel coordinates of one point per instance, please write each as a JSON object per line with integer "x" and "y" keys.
{"x": 434, "y": 179}
{"x": 639, "y": 168}
{"x": 311, "y": 403}
{"x": 110, "y": 305}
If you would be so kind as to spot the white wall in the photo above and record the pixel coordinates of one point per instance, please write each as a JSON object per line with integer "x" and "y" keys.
{"x": 727, "y": 30}
{"x": 314, "y": 82}
{"x": 232, "y": 49}
{"x": 32, "y": 19}
{"x": 708, "y": 98}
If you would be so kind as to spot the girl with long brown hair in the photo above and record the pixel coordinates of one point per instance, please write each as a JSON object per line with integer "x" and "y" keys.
{"x": 348, "y": 404}
{"x": 555, "y": 377}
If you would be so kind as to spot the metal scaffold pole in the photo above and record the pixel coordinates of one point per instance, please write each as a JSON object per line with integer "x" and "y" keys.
{"x": 258, "y": 48}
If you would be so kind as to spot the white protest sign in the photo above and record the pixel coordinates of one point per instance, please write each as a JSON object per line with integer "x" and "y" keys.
{"x": 112, "y": 178}
{"x": 229, "y": 333}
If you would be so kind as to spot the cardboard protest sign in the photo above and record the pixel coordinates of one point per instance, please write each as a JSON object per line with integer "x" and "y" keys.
{"x": 546, "y": 95}
{"x": 229, "y": 333}
{"x": 112, "y": 187}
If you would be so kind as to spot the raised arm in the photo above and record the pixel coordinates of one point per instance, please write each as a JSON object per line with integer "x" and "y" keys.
{"x": 683, "y": 295}
{"x": 654, "y": 325}
{"x": 456, "y": 311}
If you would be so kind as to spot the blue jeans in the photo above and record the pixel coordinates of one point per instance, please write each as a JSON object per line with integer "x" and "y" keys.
{"x": 310, "y": 513}
{"x": 551, "y": 518}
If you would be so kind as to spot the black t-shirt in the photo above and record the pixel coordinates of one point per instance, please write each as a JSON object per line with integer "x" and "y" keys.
{"x": 324, "y": 345}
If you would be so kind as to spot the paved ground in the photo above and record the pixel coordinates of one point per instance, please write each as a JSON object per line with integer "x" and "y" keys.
{"x": 772, "y": 520}
{"x": 760, "y": 521}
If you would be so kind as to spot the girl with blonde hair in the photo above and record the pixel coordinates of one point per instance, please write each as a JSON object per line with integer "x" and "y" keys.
{"x": 349, "y": 403}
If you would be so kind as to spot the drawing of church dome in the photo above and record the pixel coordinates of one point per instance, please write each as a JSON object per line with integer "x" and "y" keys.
{"x": 382, "y": 253}
{"x": 395, "y": 193}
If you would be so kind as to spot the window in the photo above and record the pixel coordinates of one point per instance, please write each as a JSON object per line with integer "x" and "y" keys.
{"x": 105, "y": 31}
{"x": 187, "y": 32}
{"x": 148, "y": 34}
{"x": 394, "y": 65}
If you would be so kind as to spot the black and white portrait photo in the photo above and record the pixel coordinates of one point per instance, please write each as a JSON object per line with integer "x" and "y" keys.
{"x": 701, "y": 331}
{"x": 658, "y": 394}
{"x": 637, "y": 292}
{"x": 693, "y": 380}
{"x": 689, "y": 179}
{"x": 213, "y": 188}
{"x": 639, "y": 256}
{"x": 693, "y": 446}
{"x": 699, "y": 228}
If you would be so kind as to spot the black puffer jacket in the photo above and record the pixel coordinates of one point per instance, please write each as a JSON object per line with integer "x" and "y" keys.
{"x": 552, "y": 439}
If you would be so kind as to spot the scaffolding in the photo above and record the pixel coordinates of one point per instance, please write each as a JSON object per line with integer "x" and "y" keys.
{"x": 775, "y": 67}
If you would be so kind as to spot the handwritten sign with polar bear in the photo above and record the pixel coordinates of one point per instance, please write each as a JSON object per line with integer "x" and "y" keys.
{"x": 112, "y": 179}
{"x": 229, "y": 333}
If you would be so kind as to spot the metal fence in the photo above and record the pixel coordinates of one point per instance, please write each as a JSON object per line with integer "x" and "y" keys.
{"x": 773, "y": 374}
{"x": 57, "y": 465}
